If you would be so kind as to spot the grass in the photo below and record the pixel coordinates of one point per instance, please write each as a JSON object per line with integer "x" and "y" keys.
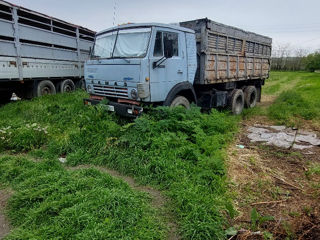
{"x": 295, "y": 101}
{"x": 50, "y": 202}
{"x": 177, "y": 151}
{"x": 296, "y": 98}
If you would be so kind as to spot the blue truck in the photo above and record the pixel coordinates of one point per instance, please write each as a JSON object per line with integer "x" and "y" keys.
{"x": 201, "y": 61}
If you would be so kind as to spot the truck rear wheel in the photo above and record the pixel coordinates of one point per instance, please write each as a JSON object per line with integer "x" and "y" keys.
{"x": 237, "y": 101}
{"x": 250, "y": 96}
{"x": 66, "y": 86}
{"x": 180, "y": 101}
{"x": 45, "y": 87}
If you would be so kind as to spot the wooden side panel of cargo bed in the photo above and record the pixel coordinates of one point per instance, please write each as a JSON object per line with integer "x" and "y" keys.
{"x": 225, "y": 68}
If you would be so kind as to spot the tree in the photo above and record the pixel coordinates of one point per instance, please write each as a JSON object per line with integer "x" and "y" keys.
{"x": 312, "y": 61}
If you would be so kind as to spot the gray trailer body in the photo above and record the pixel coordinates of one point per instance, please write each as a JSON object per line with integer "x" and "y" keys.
{"x": 228, "y": 54}
{"x": 34, "y": 46}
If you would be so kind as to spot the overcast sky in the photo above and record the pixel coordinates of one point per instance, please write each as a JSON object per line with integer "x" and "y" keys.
{"x": 287, "y": 21}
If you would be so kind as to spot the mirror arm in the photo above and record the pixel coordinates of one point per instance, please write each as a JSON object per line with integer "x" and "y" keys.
{"x": 157, "y": 63}
{"x": 90, "y": 51}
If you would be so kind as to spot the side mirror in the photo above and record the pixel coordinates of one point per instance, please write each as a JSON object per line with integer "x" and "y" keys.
{"x": 168, "y": 48}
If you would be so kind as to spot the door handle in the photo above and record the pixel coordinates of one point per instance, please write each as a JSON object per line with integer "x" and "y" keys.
{"x": 180, "y": 72}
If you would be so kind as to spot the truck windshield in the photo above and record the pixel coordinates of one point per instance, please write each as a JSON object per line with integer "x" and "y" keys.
{"x": 123, "y": 43}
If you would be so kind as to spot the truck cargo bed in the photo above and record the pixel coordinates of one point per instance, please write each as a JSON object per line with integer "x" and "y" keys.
{"x": 228, "y": 54}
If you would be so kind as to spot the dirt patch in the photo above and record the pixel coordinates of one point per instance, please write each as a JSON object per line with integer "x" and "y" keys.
{"x": 276, "y": 183}
{"x": 267, "y": 100}
{"x": 4, "y": 223}
{"x": 158, "y": 200}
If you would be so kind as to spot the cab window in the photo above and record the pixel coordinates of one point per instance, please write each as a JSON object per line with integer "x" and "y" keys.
{"x": 168, "y": 37}
{"x": 173, "y": 39}
{"x": 158, "y": 45}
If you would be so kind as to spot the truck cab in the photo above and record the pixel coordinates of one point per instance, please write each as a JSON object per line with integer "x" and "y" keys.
{"x": 136, "y": 64}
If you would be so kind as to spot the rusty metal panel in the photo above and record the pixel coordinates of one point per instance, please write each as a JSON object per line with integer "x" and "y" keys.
{"x": 228, "y": 53}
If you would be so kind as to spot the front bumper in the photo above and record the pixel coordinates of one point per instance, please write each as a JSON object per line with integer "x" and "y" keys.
{"x": 121, "y": 109}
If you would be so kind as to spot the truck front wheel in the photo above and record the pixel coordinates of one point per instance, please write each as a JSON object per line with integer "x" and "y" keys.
{"x": 250, "y": 96}
{"x": 45, "y": 87}
{"x": 180, "y": 101}
{"x": 237, "y": 101}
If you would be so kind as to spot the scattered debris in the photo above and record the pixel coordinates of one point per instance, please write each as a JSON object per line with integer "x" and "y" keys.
{"x": 62, "y": 160}
{"x": 15, "y": 97}
{"x": 240, "y": 146}
{"x": 283, "y": 137}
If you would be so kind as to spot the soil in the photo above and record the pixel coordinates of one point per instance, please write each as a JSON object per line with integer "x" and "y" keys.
{"x": 276, "y": 183}
{"x": 158, "y": 200}
{"x": 4, "y": 223}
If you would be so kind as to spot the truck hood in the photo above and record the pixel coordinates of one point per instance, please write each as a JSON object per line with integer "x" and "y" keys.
{"x": 113, "y": 71}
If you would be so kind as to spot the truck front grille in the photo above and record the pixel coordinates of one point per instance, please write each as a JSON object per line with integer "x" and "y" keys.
{"x": 110, "y": 91}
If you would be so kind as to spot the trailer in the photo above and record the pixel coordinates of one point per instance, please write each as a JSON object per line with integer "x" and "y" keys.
{"x": 201, "y": 61}
{"x": 40, "y": 54}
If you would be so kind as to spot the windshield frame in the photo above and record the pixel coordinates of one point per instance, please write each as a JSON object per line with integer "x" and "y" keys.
{"x": 116, "y": 31}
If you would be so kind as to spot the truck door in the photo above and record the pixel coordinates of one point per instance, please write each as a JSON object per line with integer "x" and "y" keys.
{"x": 166, "y": 73}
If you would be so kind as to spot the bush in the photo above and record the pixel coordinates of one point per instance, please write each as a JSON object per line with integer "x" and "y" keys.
{"x": 312, "y": 62}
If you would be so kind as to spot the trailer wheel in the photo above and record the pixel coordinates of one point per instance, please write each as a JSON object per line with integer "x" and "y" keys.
{"x": 5, "y": 96}
{"x": 180, "y": 101}
{"x": 66, "y": 86}
{"x": 250, "y": 96}
{"x": 237, "y": 101}
{"x": 45, "y": 87}
{"x": 81, "y": 84}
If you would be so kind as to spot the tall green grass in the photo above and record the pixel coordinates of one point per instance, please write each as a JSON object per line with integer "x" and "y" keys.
{"x": 298, "y": 101}
{"x": 178, "y": 151}
{"x": 52, "y": 203}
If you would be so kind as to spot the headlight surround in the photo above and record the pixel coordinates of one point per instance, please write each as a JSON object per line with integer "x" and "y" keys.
{"x": 134, "y": 94}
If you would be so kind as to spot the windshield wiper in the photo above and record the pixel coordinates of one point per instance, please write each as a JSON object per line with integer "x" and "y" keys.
{"x": 124, "y": 58}
{"x": 95, "y": 57}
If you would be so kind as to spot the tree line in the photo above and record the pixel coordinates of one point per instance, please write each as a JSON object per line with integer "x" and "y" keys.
{"x": 284, "y": 58}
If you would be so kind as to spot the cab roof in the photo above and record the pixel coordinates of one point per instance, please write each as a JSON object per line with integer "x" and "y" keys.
{"x": 139, "y": 25}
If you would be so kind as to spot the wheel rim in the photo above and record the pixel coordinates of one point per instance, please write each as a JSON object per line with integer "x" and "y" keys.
{"x": 67, "y": 88}
{"x": 46, "y": 90}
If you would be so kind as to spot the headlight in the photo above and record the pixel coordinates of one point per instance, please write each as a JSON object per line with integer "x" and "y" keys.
{"x": 134, "y": 93}
{"x": 89, "y": 88}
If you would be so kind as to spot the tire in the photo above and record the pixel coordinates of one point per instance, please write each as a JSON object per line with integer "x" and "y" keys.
{"x": 180, "y": 101}
{"x": 237, "y": 101}
{"x": 5, "y": 96}
{"x": 81, "y": 84}
{"x": 66, "y": 86}
{"x": 250, "y": 96}
{"x": 45, "y": 87}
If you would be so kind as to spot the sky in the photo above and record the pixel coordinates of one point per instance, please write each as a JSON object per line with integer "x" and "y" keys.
{"x": 293, "y": 22}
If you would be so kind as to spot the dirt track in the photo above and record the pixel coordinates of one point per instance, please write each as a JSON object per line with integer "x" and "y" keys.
{"x": 4, "y": 224}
